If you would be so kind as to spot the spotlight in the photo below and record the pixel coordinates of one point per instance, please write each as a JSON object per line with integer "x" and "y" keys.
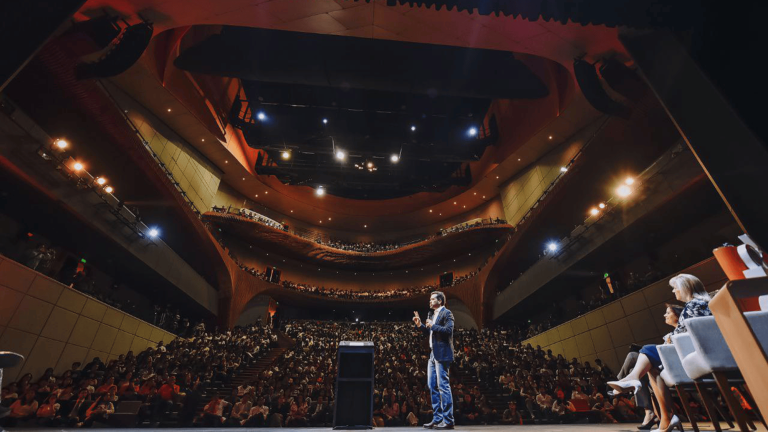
{"x": 154, "y": 232}
{"x": 261, "y": 116}
{"x": 629, "y": 181}
{"x": 325, "y": 121}
{"x": 413, "y": 128}
{"x": 624, "y": 191}
{"x": 320, "y": 191}
{"x": 101, "y": 180}
{"x": 550, "y": 137}
{"x": 594, "y": 211}
{"x": 340, "y": 155}
{"x": 563, "y": 169}
{"x": 472, "y": 131}
{"x": 77, "y": 166}
{"x": 601, "y": 205}
{"x": 109, "y": 189}
{"x": 394, "y": 158}
{"x": 169, "y": 110}
{"x": 286, "y": 154}
{"x": 369, "y": 164}
{"x": 61, "y": 144}
{"x": 552, "y": 246}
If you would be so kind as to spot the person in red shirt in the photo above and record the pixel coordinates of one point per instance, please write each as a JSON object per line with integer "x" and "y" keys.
{"x": 167, "y": 396}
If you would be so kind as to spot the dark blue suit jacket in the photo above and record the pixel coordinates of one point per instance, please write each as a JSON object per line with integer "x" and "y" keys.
{"x": 442, "y": 335}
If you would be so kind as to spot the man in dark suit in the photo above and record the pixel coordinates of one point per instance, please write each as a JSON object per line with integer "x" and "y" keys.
{"x": 439, "y": 325}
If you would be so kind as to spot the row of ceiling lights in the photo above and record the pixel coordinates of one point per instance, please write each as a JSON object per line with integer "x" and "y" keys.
{"x": 61, "y": 145}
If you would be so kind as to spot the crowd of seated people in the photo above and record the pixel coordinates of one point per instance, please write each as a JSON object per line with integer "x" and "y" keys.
{"x": 41, "y": 259}
{"x": 364, "y": 247}
{"x": 298, "y": 390}
{"x": 600, "y": 297}
{"x": 371, "y": 295}
{"x": 167, "y": 378}
{"x": 349, "y": 294}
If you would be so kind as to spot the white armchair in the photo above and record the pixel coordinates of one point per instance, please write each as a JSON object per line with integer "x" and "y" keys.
{"x": 674, "y": 375}
{"x": 711, "y": 357}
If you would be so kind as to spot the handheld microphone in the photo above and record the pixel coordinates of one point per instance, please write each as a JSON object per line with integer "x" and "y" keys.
{"x": 430, "y": 314}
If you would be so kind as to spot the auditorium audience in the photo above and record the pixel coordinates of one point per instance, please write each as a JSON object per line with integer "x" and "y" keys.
{"x": 163, "y": 378}
{"x": 363, "y": 247}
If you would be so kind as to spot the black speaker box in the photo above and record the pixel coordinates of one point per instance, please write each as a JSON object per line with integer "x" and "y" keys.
{"x": 354, "y": 386}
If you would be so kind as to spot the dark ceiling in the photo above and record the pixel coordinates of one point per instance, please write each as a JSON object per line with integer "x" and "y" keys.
{"x": 371, "y": 99}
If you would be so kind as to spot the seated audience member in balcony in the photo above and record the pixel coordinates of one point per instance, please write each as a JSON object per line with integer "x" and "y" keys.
{"x": 689, "y": 289}
{"x": 511, "y": 416}
{"x": 48, "y": 413}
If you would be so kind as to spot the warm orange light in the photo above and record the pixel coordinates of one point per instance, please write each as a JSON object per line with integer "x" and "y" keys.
{"x": 77, "y": 166}
{"x": 629, "y": 181}
{"x": 624, "y": 191}
{"x": 601, "y": 205}
{"x": 109, "y": 189}
{"x": 61, "y": 144}
{"x": 101, "y": 180}
{"x": 594, "y": 211}
{"x": 430, "y": 211}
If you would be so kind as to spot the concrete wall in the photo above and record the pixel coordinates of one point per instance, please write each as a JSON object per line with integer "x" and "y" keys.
{"x": 52, "y": 325}
{"x": 607, "y": 332}
{"x": 197, "y": 175}
{"x": 257, "y": 310}
{"x": 520, "y": 193}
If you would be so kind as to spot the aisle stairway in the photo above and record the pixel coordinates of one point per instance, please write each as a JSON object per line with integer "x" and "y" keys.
{"x": 251, "y": 373}
{"x": 496, "y": 400}
{"x": 246, "y": 375}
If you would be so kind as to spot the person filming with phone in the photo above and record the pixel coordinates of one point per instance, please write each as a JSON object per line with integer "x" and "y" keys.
{"x": 439, "y": 325}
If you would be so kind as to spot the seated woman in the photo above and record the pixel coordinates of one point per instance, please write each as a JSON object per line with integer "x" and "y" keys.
{"x": 23, "y": 409}
{"x": 48, "y": 413}
{"x": 643, "y": 395}
{"x": 689, "y": 289}
{"x": 98, "y": 411}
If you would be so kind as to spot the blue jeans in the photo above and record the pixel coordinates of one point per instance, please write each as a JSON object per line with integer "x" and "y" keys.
{"x": 440, "y": 389}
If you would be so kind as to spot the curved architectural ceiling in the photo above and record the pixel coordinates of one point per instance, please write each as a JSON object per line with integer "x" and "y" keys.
{"x": 363, "y": 118}
{"x": 524, "y": 127}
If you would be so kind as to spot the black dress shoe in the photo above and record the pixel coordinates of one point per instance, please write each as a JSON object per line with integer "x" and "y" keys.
{"x": 649, "y": 425}
{"x": 444, "y": 425}
{"x": 430, "y": 425}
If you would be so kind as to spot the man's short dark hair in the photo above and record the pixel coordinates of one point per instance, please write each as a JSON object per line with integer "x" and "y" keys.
{"x": 440, "y": 297}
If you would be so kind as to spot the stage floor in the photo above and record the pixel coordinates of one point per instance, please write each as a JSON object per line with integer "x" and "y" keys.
{"x": 621, "y": 427}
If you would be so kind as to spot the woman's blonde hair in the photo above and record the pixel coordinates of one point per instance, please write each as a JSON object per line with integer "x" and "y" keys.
{"x": 690, "y": 286}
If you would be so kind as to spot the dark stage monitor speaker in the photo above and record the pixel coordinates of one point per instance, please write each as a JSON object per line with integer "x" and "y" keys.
{"x": 354, "y": 386}
{"x": 446, "y": 279}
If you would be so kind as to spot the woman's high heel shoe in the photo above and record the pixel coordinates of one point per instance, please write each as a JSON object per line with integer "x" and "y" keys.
{"x": 675, "y": 423}
{"x": 623, "y": 386}
{"x": 648, "y": 426}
